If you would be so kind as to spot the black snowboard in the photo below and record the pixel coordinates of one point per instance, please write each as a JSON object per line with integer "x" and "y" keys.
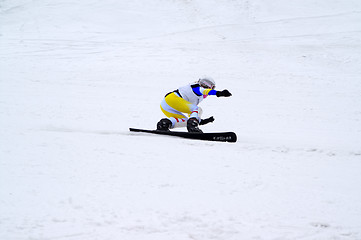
{"x": 217, "y": 136}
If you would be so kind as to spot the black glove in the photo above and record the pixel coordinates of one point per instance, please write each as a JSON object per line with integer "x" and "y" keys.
{"x": 207, "y": 120}
{"x": 224, "y": 93}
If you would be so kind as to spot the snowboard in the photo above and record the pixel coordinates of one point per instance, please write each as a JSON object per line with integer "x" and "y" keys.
{"x": 215, "y": 136}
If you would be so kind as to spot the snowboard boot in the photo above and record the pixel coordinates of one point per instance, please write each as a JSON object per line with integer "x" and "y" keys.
{"x": 164, "y": 124}
{"x": 192, "y": 125}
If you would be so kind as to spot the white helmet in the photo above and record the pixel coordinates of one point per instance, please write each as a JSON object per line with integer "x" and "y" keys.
{"x": 207, "y": 82}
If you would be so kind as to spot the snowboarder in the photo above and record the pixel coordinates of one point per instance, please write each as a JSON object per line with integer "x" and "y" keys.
{"x": 185, "y": 100}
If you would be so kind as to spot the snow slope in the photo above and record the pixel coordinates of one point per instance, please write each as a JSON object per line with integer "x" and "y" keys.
{"x": 75, "y": 75}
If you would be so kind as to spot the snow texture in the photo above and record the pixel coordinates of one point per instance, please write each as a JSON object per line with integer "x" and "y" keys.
{"x": 75, "y": 75}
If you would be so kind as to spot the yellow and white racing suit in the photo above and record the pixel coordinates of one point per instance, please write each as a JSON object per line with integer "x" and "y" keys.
{"x": 184, "y": 100}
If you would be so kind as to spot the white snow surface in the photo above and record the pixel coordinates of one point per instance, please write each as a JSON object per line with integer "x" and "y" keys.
{"x": 75, "y": 75}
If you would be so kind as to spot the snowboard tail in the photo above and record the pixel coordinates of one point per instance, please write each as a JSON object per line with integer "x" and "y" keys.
{"x": 216, "y": 136}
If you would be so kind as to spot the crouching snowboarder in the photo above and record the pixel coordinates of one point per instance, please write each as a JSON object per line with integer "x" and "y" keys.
{"x": 185, "y": 100}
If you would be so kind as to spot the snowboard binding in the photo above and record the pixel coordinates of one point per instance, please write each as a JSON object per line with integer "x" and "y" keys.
{"x": 192, "y": 126}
